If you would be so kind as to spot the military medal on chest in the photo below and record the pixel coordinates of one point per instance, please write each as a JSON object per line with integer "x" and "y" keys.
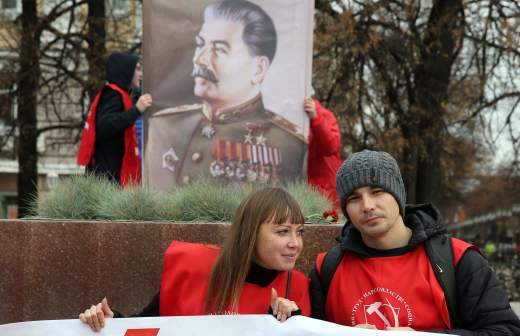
{"x": 208, "y": 131}
{"x": 251, "y": 160}
{"x": 169, "y": 160}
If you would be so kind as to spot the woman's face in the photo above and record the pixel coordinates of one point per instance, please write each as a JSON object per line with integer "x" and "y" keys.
{"x": 278, "y": 245}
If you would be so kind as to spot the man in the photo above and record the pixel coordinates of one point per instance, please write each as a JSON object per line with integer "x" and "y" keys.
{"x": 109, "y": 144}
{"x": 324, "y": 149}
{"x": 230, "y": 136}
{"x": 385, "y": 280}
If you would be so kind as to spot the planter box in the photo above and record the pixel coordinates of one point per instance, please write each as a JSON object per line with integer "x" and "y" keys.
{"x": 56, "y": 269}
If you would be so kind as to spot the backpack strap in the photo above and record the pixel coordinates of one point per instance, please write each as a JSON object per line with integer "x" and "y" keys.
{"x": 328, "y": 268}
{"x": 440, "y": 252}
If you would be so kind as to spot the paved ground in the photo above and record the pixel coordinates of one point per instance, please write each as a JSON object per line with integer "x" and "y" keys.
{"x": 516, "y": 307}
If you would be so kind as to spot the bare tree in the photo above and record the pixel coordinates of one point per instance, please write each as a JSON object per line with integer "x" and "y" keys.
{"x": 96, "y": 37}
{"x": 60, "y": 66}
{"x": 420, "y": 79}
{"x": 28, "y": 75}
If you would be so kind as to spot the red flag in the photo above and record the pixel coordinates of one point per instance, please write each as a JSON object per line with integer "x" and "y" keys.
{"x": 142, "y": 332}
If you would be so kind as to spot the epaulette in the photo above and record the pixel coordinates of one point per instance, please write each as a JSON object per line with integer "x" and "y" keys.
{"x": 178, "y": 109}
{"x": 286, "y": 125}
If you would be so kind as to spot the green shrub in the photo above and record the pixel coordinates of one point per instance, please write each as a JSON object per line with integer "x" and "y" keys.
{"x": 311, "y": 201}
{"x": 132, "y": 203}
{"x": 77, "y": 197}
{"x": 207, "y": 200}
{"x": 91, "y": 197}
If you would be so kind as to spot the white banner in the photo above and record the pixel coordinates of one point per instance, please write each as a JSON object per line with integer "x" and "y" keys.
{"x": 254, "y": 325}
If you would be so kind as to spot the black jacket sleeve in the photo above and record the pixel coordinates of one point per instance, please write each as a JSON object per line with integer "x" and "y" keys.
{"x": 482, "y": 302}
{"x": 151, "y": 310}
{"x": 317, "y": 296}
{"x": 111, "y": 118}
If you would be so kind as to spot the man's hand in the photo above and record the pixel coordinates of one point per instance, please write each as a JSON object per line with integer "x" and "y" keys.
{"x": 95, "y": 315}
{"x": 365, "y": 326}
{"x": 399, "y": 329}
{"x": 144, "y": 102}
{"x": 282, "y": 307}
{"x": 310, "y": 108}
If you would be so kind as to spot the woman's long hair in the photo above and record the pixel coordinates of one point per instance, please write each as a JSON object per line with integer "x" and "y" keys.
{"x": 234, "y": 261}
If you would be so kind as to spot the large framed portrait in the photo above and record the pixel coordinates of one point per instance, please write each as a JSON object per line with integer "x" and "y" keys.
{"x": 228, "y": 80}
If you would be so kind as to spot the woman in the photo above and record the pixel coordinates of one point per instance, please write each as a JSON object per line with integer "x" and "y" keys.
{"x": 246, "y": 276}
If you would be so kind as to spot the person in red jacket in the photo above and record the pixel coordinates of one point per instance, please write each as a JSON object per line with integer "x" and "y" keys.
{"x": 109, "y": 144}
{"x": 251, "y": 274}
{"x": 324, "y": 149}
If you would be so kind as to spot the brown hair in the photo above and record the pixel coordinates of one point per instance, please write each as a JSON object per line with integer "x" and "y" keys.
{"x": 234, "y": 261}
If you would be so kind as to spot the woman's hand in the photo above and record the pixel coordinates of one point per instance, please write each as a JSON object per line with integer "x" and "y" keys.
{"x": 282, "y": 307}
{"x": 95, "y": 315}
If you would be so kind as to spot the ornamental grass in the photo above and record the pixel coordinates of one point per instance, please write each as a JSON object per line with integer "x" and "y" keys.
{"x": 205, "y": 200}
{"x": 77, "y": 197}
{"x": 133, "y": 203}
{"x": 311, "y": 201}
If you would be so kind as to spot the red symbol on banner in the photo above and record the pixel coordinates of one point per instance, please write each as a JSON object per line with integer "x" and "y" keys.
{"x": 142, "y": 332}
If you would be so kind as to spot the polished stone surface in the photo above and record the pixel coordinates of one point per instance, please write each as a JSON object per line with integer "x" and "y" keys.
{"x": 56, "y": 269}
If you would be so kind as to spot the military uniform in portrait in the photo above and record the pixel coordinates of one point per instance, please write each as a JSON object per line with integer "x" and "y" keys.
{"x": 246, "y": 143}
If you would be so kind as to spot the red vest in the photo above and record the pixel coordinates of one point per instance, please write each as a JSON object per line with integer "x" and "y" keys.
{"x": 396, "y": 291}
{"x": 185, "y": 280}
{"x": 131, "y": 165}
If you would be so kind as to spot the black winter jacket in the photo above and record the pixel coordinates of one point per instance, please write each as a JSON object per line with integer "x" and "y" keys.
{"x": 111, "y": 118}
{"x": 482, "y": 304}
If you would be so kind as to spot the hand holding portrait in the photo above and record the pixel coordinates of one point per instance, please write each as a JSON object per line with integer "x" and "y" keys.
{"x": 144, "y": 102}
{"x": 309, "y": 107}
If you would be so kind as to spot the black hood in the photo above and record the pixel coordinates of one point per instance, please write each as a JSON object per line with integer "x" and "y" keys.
{"x": 424, "y": 220}
{"x": 120, "y": 69}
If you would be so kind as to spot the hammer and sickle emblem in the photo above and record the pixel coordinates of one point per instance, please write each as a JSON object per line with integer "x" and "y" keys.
{"x": 374, "y": 308}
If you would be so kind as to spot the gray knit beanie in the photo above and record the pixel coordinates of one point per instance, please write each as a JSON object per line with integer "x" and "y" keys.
{"x": 370, "y": 168}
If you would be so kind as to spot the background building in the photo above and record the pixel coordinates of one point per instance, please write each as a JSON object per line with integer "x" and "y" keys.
{"x": 70, "y": 38}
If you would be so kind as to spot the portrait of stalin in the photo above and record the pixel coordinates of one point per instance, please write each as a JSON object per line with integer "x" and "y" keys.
{"x": 229, "y": 135}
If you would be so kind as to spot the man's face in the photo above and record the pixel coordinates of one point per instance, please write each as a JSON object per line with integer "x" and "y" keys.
{"x": 224, "y": 71}
{"x": 374, "y": 212}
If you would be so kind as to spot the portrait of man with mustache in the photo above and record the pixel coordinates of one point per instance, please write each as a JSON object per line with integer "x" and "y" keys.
{"x": 229, "y": 135}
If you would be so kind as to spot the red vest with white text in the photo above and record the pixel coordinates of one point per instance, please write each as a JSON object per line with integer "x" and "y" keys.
{"x": 394, "y": 291}
{"x": 185, "y": 281}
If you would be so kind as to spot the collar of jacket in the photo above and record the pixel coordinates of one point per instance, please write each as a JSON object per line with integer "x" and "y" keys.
{"x": 261, "y": 276}
{"x": 425, "y": 221}
{"x": 236, "y": 113}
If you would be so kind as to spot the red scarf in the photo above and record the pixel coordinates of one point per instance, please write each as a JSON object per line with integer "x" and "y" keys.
{"x": 131, "y": 166}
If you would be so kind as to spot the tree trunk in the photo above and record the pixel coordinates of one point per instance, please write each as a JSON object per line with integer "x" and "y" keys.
{"x": 409, "y": 164}
{"x": 96, "y": 38}
{"x": 28, "y": 76}
{"x": 432, "y": 78}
